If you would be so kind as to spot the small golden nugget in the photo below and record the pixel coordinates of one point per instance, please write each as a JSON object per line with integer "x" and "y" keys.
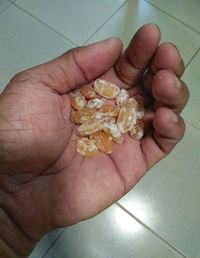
{"x": 102, "y": 124}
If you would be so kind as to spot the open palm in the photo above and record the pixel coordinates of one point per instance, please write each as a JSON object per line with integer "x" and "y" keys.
{"x": 52, "y": 185}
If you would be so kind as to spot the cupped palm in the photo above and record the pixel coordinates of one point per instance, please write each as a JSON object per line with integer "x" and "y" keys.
{"x": 48, "y": 184}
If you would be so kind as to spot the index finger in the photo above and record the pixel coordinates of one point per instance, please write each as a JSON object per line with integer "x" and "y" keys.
{"x": 137, "y": 56}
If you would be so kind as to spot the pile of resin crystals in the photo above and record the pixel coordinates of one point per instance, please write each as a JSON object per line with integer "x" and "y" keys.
{"x": 102, "y": 122}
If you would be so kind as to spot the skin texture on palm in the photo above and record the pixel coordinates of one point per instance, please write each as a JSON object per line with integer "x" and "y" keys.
{"x": 44, "y": 183}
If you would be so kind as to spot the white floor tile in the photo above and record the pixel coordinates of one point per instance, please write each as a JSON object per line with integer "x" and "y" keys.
{"x": 75, "y": 19}
{"x": 167, "y": 199}
{"x": 45, "y": 244}
{"x": 1, "y": 86}
{"x": 136, "y": 13}
{"x": 3, "y": 5}
{"x": 184, "y": 10}
{"x": 113, "y": 233}
{"x": 192, "y": 78}
{"x": 25, "y": 42}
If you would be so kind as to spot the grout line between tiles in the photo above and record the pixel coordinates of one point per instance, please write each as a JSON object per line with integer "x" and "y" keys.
{"x": 196, "y": 53}
{"x": 46, "y": 25}
{"x": 185, "y": 24}
{"x": 60, "y": 34}
{"x": 53, "y": 243}
{"x": 186, "y": 66}
{"x": 103, "y": 23}
{"x": 194, "y": 126}
{"x": 10, "y": 3}
{"x": 149, "y": 229}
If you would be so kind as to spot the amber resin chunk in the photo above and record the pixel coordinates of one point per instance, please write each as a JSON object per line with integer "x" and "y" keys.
{"x": 89, "y": 127}
{"x": 113, "y": 130}
{"x": 95, "y": 103}
{"x": 103, "y": 141}
{"x": 101, "y": 121}
{"x": 86, "y": 147}
{"x": 122, "y": 97}
{"x": 127, "y": 115}
{"x": 107, "y": 111}
{"x": 88, "y": 92}
{"x": 83, "y": 115}
{"x": 137, "y": 131}
{"x": 106, "y": 89}
{"x": 78, "y": 101}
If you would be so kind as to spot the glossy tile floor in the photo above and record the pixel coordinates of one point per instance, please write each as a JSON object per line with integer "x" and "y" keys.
{"x": 160, "y": 217}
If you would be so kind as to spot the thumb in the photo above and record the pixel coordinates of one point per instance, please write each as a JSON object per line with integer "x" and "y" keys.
{"x": 79, "y": 65}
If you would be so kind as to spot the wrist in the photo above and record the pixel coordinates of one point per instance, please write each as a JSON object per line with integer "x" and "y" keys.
{"x": 13, "y": 241}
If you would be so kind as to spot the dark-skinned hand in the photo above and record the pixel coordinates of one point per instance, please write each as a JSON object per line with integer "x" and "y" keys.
{"x": 44, "y": 182}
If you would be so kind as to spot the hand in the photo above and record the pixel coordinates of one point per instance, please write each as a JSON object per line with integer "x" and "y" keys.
{"x": 44, "y": 183}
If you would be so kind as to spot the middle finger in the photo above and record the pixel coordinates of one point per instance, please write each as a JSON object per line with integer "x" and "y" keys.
{"x": 168, "y": 57}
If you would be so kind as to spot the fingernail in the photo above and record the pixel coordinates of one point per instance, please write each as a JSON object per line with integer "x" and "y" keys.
{"x": 174, "y": 118}
{"x": 177, "y": 83}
